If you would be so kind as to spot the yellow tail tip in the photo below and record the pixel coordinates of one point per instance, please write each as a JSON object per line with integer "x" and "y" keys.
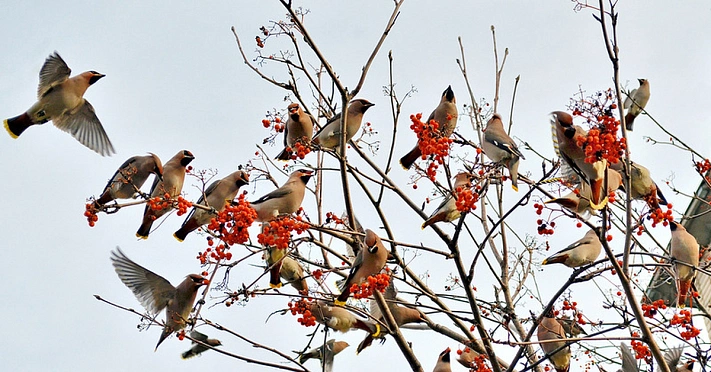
{"x": 514, "y": 187}
{"x": 7, "y": 128}
{"x": 545, "y": 262}
{"x": 176, "y": 238}
{"x": 272, "y": 285}
{"x": 598, "y": 207}
{"x": 141, "y": 236}
{"x": 377, "y": 330}
{"x": 339, "y": 303}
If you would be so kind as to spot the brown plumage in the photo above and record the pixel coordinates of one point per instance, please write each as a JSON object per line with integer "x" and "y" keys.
{"x": 299, "y": 127}
{"x": 342, "y": 320}
{"x": 582, "y": 252}
{"x": 684, "y": 248}
{"x": 550, "y": 329}
{"x": 466, "y": 358}
{"x": 443, "y": 362}
{"x": 447, "y": 210}
{"x": 369, "y": 261}
{"x": 636, "y": 102}
{"x": 445, "y": 114}
{"x": 501, "y": 148}
{"x": 284, "y": 200}
{"x": 198, "y": 348}
{"x": 172, "y": 184}
{"x": 331, "y": 348}
{"x": 129, "y": 178}
{"x": 329, "y": 136}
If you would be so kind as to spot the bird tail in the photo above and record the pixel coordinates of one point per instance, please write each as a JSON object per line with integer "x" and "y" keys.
{"x": 274, "y": 278}
{"x": 684, "y": 288}
{"x": 371, "y": 327}
{"x": 367, "y": 341}
{"x": 188, "y": 227}
{"x": 554, "y": 259}
{"x": 629, "y": 121}
{"x": 410, "y": 158}
{"x": 166, "y": 332}
{"x": 343, "y": 297}
{"x": 145, "y": 229}
{"x": 15, "y": 126}
{"x": 284, "y": 155}
{"x": 188, "y": 354}
{"x": 598, "y": 200}
{"x": 442, "y": 216}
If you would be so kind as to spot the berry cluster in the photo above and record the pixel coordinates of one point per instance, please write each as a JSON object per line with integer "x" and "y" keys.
{"x": 650, "y": 310}
{"x": 539, "y": 208}
{"x": 466, "y": 199}
{"x": 683, "y": 319}
{"x": 545, "y": 228}
{"x": 231, "y": 223}
{"x": 90, "y": 214}
{"x": 303, "y": 307}
{"x": 275, "y": 123}
{"x": 331, "y": 217}
{"x": 641, "y": 351}
{"x": 703, "y": 167}
{"x": 317, "y": 274}
{"x": 277, "y": 233}
{"x": 602, "y": 141}
{"x": 219, "y": 253}
{"x": 373, "y": 283}
{"x": 300, "y": 150}
{"x": 182, "y": 205}
{"x": 658, "y": 216}
{"x": 431, "y": 142}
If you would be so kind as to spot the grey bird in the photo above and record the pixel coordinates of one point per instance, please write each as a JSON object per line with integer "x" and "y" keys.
{"x": 130, "y": 177}
{"x": 60, "y": 98}
{"x": 368, "y": 262}
{"x": 331, "y": 348}
{"x": 284, "y": 200}
{"x": 443, "y": 362}
{"x": 171, "y": 184}
{"x": 447, "y": 211}
{"x": 582, "y": 252}
{"x": 501, "y": 148}
{"x": 197, "y": 348}
{"x": 216, "y": 196}
{"x": 155, "y": 293}
{"x": 329, "y": 136}
{"x": 635, "y": 102}
{"x": 299, "y": 127}
{"x": 550, "y": 329}
{"x": 445, "y": 114}
{"x": 684, "y": 248}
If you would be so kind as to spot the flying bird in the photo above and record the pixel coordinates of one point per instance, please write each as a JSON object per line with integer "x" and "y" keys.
{"x": 129, "y": 178}
{"x": 284, "y": 200}
{"x": 171, "y": 184}
{"x": 329, "y": 136}
{"x": 447, "y": 211}
{"x": 582, "y": 252}
{"x": 299, "y": 127}
{"x": 218, "y": 195}
{"x": 501, "y": 148}
{"x": 60, "y": 98}
{"x": 684, "y": 248}
{"x": 368, "y": 262}
{"x": 197, "y": 348}
{"x": 443, "y": 362}
{"x": 331, "y": 348}
{"x": 155, "y": 293}
{"x": 636, "y": 102}
{"x": 550, "y": 329}
{"x": 445, "y": 114}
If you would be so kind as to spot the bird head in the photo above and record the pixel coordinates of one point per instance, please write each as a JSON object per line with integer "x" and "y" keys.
{"x": 158, "y": 166}
{"x": 93, "y": 76}
{"x": 371, "y": 241}
{"x": 198, "y": 280}
{"x": 242, "y": 178}
{"x": 361, "y": 105}
{"x": 448, "y": 95}
{"x": 673, "y": 226}
{"x": 187, "y": 158}
{"x": 305, "y": 175}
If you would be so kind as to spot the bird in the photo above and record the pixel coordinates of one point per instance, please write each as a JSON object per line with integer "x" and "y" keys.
{"x": 218, "y": 195}
{"x": 342, "y": 320}
{"x": 331, "y": 348}
{"x": 329, "y": 137}
{"x": 445, "y": 114}
{"x": 582, "y": 252}
{"x": 171, "y": 184}
{"x": 284, "y": 200}
{"x": 197, "y": 348}
{"x": 156, "y": 293}
{"x": 577, "y": 201}
{"x": 443, "y": 362}
{"x": 466, "y": 358}
{"x": 684, "y": 248}
{"x": 447, "y": 210}
{"x": 292, "y": 271}
{"x": 368, "y": 262}
{"x": 636, "y": 102}
{"x": 673, "y": 357}
{"x": 642, "y": 186}
{"x": 629, "y": 362}
{"x": 501, "y": 149}
{"x": 129, "y": 178}
{"x": 60, "y": 98}
{"x": 299, "y": 127}
{"x": 550, "y": 329}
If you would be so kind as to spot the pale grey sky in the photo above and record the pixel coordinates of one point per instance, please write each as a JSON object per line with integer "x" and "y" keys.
{"x": 175, "y": 80}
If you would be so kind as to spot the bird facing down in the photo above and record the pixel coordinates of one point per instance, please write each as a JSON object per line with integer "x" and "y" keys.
{"x": 443, "y": 362}
{"x": 284, "y": 200}
{"x": 684, "y": 248}
{"x": 342, "y": 320}
{"x": 447, "y": 211}
{"x": 129, "y": 178}
{"x": 501, "y": 148}
{"x": 155, "y": 293}
{"x": 299, "y": 127}
{"x": 329, "y": 136}
{"x": 582, "y": 252}
{"x": 368, "y": 262}
{"x": 466, "y": 358}
{"x": 445, "y": 114}
{"x": 331, "y": 348}
{"x": 218, "y": 195}
{"x": 171, "y": 184}
{"x": 642, "y": 186}
{"x": 550, "y": 329}
{"x": 635, "y": 102}
{"x": 198, "y": 348}
{"x": 60, "y": 98}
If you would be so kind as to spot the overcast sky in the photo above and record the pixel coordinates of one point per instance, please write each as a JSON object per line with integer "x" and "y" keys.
{"x": 175, "y": 80}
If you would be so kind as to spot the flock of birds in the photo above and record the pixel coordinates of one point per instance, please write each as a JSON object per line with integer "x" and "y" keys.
{"x": 61, "y": 100}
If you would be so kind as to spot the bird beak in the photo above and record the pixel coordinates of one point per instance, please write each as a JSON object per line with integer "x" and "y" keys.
{"x": 94, "y": 78}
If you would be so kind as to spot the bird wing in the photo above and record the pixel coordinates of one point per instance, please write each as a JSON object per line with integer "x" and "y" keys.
{"x": 331, "y": 120}
{"x": 83, "y": 124}
{"x": 123, "y": 167}
{"x": 628, "y": 100}
{"x": 198, "y": 336}
{"x": 629, "y": 363}
{"x": 672, "y": 356}
{"x": 54, "y": 71}
{"x": 328, "y": 357}
{"x": 201, "y": 200}
{"x": 568, "y": 169}
{"x": 507, "y": 146}
{"x": 152, "y": 290}
{"x": 278, "y": 193}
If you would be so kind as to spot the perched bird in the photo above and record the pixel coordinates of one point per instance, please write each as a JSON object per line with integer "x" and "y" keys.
{"x": 577, "y": 201}
{"x": 466, "y": 358}
{"x": 629, "y": 362}
{"x": 500, "y": 148}
{"x": 641, "y": 184}
{"x": 445, "y": 114}
{"x": 155, "y": 293}
{"x": 571, "y": 326}
{"x": 684, "y": 248}
{"x": 582, "y": 252}
{"x": 129, "y": 178}
{"x": 635, "y": 102}
{"x": 197, "y": 348}
{"x": 330, "y": 135}
{"x": 443, "y": 362}
{"x": 292, "y": 271}
{"x": 369, "y": 261}
{"x": 330, "y": 349}
{"x": 61, "y": 99}
{"x": 342, "y": 320}
{"x": 299, "y": 127}
{"x": 550, "y": 329}
{"x": 447, "y": 211}
{"x": 218, "y": 195}
{"x": 284, "y": 200}
{"x": 171, "y": 184}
